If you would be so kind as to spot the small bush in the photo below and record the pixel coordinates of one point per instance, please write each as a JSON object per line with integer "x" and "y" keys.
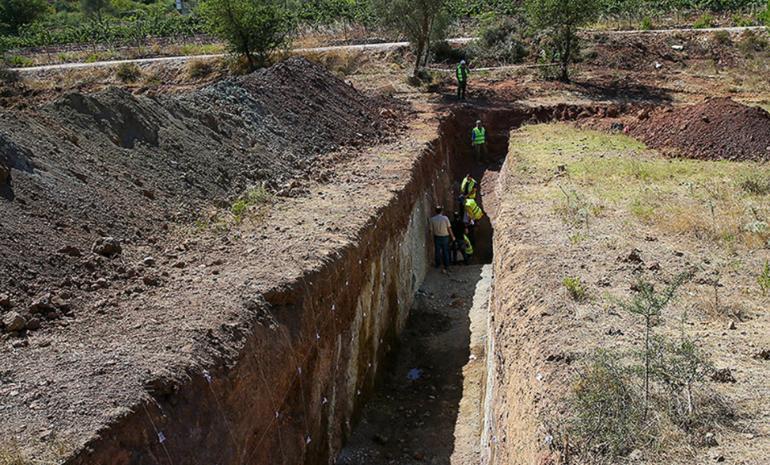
{"x": 764, "y": 279}
{"x": 606, "y": 412}
{"x": 197, "y": 69}
{"x": 443, "y": 52}
{"x": 681, "y": 368}
{"x": 751, "y": 42}
{"x": 704, "y": 21}
{"x": 128, "y": 72}
{"x": 646, "y": 24}
{"x": 575, "y": 288}
{"x": 7, "y": 75}
{"x": 501, "y": 41}
{"x": 721, "y": 37}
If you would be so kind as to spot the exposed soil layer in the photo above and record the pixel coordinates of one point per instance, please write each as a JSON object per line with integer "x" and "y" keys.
{"x": 412, "y": 417}
{"x": 717, "y": 129}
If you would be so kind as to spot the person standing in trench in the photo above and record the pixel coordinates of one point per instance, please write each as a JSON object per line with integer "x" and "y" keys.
{"x": 441, "y": 229}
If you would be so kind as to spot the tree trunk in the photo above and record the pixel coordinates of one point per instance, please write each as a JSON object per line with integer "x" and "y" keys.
{"x": 566, "y": 54}
{"x": 420, "y": 50}
{"x": 646, "y": 366}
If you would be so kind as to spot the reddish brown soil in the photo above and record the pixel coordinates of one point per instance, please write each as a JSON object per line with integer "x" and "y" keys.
{"x": 717, "y": 129}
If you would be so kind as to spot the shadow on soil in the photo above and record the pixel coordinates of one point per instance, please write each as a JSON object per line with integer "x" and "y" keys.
{"x": 412, "y": 416}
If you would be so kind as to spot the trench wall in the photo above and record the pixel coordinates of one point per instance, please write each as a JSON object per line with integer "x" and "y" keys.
{"x": 288, "y": 388}
{"x": 295, "y": 371}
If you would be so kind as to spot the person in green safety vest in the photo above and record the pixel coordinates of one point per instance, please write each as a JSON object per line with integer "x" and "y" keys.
{"x": 479, "y": 141}
{"x": 473, "y": 214}
{"x": 467, "y": 247}
{"x": 468, "y": 187}
{"x": 462, "y": 79}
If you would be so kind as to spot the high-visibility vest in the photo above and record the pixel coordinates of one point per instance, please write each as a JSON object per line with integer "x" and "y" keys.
{"x": 468, "y": 245}
{"x": 467, "y": 186}
{"x": 479, "y": 135}
{"x": 462, "y": 74}
{"x": 473, "y": 210}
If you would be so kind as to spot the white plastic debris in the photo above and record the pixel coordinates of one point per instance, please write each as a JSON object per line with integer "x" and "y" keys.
{"x": 161, "y": 437}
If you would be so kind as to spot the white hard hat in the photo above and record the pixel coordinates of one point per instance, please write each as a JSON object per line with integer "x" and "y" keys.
{"x": 462, "y": 62}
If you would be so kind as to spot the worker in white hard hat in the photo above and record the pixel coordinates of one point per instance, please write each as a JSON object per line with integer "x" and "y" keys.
{"x": 462, "y": 79}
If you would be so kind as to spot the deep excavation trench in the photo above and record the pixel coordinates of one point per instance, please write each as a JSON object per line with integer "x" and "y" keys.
{"x": 318, "y": 349}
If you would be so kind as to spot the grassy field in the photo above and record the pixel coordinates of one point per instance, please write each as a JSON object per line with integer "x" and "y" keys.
{"x": 724, "y": 203}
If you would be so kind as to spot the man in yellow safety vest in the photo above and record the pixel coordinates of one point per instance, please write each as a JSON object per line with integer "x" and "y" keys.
{"x": 479, "y": 141}
{"x": 473, "y": 214}
{"x": 468, "y": 187}
{"x": 462, "y": 79}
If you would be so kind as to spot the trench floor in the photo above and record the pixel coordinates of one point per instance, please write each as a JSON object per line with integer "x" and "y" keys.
{"x": 427, "y": 408}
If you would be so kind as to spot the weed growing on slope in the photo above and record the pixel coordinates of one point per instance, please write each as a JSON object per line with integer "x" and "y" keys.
{"x": 575, "y": 288}
{"x": 764, "y": 279}
{"x": 253, "y": 197}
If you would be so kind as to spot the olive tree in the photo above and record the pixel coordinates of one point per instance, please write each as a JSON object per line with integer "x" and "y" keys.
{"x": 16, "y": 13}
{"x": 560, "y": 20}
{"x": 252, "y": 28}
{"x": 421, "y": 21}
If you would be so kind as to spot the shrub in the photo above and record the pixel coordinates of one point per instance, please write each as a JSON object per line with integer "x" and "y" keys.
{"x": 128, "y": 72}
{"x": 605, "y": 408}
{"x": 704, "y": 21}
{"x": 16, "y": 13}
{"x": 721, "y": 37}
{"x": 197, "y": 69}
{"x": 253, "y": 29}
{"x": 646, "y": 23}
{"x": 681, "y": 368}
{"x": 751, "y": 42}
{"x": 756, "y": 185}
{"x": 7, "y": 75}
{"x": 575, "y": 288}
{"x": 501, "y": 41}
{"x": 443, "y": 52}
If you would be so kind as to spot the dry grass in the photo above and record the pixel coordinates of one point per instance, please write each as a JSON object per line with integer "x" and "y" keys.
{"x": 721, "y": 203}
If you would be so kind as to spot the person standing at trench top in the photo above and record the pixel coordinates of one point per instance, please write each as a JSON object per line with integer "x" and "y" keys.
{"x": 441, "y": 229}
{"x": 479, "y": 141}
{"x": 462, "y": 79}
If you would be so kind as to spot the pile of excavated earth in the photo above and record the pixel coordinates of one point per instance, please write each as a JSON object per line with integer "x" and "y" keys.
{"x": 89, "y": 174}
{"x": 717, "y": 129}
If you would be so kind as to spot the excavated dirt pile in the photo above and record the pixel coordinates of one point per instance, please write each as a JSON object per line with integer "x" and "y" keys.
{"x": 717, "y": 129}
{"x": 129, "y": 167}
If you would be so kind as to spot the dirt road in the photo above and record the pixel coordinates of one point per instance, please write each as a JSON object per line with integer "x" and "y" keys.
{"x": 360, "y": 47}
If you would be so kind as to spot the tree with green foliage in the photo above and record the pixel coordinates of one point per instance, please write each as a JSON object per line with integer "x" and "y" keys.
{"x": 421, "y": 21}
{"x": 94, "y": 8}
{"x": 560, "y": 20}
{"x": 252, "y": 28}
{"x": 16, "y": 13}
{"x": 649, "y": 304}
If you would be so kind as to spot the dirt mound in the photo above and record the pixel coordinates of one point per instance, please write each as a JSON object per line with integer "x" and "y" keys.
{"x": 717, "y": 129}
{"x": 651, "y": 52}
{"x": 130, "y": 167}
